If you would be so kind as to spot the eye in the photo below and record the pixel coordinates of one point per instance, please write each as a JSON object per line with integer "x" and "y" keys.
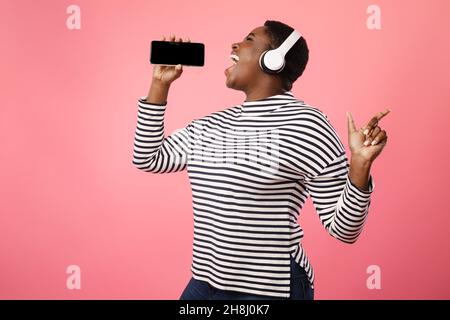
{"x": 248, "y": 38}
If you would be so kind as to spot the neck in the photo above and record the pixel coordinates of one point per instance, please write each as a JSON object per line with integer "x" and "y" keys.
{"x": 263, "y": 91}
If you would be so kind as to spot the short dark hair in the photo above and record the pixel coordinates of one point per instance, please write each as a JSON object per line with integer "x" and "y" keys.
{"x": 296, "y": 58}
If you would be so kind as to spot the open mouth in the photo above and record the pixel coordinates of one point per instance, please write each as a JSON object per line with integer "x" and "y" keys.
{"x": 235, "y": 59}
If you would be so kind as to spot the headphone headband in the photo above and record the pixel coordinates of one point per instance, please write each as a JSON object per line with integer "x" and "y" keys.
{"x": 288, "y": 43}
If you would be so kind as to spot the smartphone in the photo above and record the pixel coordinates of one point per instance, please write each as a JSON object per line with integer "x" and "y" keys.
{"x": 173, "y": 53}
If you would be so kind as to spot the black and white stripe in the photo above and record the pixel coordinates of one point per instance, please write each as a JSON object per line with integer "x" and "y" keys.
{"x": 251, "y": 169}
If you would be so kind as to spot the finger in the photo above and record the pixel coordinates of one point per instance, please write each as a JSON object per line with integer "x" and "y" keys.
{"x": 383, "y": 142}
{"x": 371, "y": 135}
{"x": 180, "y": 40}
{"x": 163, "y": 38}
{"x": 374, "y": 121}
{"x": 188, "y": 40}
{"x": 381, "y": 136}
{"x": 370, "y": 125}
{"x": 382, "y": 114}
{"x": 368, "y": 141}
{"x": 350, "y": 123}
{"x": 374, "y": 132}
{"x": 172, "y": 37}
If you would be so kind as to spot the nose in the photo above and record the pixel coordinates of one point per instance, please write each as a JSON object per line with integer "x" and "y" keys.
{"x": 234, "y": 46}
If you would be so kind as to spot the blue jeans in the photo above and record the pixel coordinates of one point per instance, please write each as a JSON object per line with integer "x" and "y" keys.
{"x": 201, "y": 290}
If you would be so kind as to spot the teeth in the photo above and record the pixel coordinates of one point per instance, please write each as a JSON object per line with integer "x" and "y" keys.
{"x": 235, "y": 58}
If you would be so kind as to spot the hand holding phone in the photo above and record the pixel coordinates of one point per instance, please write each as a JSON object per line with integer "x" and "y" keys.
{"x": 166, "y": 73}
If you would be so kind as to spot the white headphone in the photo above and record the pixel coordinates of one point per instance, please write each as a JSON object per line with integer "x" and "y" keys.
{"x": 273, "y": 61}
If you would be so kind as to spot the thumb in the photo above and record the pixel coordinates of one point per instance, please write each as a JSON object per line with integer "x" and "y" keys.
{"x": 178, "y": 67}
{"x": 350, "y": 123}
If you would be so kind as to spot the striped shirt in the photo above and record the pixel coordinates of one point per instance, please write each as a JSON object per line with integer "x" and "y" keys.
{"x": 251, "y": 168}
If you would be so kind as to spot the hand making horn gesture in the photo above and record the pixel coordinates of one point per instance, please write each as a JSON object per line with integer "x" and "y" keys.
{"x": 367, "y": 142}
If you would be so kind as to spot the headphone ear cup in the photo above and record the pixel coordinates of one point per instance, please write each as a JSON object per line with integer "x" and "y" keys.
{"x": 271, "y": 61}
{"x": 261, "y": 62}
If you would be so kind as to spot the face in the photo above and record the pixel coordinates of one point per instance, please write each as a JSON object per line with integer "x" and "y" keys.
{"x": 246, "y": 72}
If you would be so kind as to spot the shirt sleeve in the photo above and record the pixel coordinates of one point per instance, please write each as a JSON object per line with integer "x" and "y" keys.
{"x": 152, "y": 151}
{"x": 342, "y": 207}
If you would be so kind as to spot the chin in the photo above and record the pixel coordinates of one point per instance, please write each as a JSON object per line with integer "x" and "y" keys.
{"x": 231, "y": 83}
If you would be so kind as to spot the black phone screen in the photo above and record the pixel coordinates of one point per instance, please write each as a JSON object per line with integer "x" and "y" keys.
{"x": 173, "y": 53}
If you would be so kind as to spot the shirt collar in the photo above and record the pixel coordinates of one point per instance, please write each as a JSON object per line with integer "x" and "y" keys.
{"x": 266, "y": 105}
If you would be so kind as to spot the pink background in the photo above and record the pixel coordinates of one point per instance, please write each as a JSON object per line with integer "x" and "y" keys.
{"x": 69, "y": 193}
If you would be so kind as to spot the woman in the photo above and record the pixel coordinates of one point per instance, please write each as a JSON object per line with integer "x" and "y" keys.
{"x": 252, "y": 167}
